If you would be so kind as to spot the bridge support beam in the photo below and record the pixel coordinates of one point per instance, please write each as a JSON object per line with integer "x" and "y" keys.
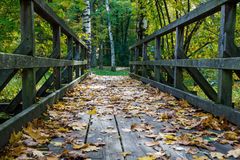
{"x": 226, "y": 41}
{"x": 178, "y": 75}
{"x": 28, "y": 75}
{"x": 57, "y": 49}
{"x": 158, "y": 53}
{"x": 70, "y": 51}
{"x": 145, "y": 58}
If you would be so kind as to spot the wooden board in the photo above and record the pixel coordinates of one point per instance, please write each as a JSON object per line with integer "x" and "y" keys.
{"x": 112, "y": 149}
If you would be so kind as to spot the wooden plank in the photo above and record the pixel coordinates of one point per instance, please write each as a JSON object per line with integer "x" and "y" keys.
{"x": 174, "y": 154}
{"x": 27, "y": 32}
{"x": 197, "y": 14}
{"x": 178, "y": 75}
{"x": 230, "y": 114}
{"x": 158, "y": 53}
{"x": 40, "y": 73}
{"x": 112, "y": 148}
{"x": 202, "y": 82}
{"x": 225, "y": 78}
{"x": 11, "y": 61}
{"x": 57, "y": 48}
{"x": 133, "y": 141}
{"x": 48, "y": 14}
{"x": 214, "y": 63}
{"x": 17, "y": 122}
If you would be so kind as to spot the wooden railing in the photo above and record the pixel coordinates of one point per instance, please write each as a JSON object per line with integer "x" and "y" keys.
{"x": 219, "y": 103}
{"x": 67, "y": 72}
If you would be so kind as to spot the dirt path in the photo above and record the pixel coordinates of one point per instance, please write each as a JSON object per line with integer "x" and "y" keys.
{"x": 120, "y": 118}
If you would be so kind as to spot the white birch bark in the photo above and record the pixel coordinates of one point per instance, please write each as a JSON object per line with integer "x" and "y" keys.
{"x": 113, "y": 64}
{"x": 87, "y": 28}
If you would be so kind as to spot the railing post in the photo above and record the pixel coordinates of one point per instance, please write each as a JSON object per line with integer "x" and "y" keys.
{"x": 227, "y": 29}
{"x": 136, "y": 55}
{"x": 144, "y": 56}
{"x": 82, "y": 56}
{"x": 57, "y": 50}
{"x": 27, "y": 34}
{"x": 178, "y": 76}
{"x": 70, "y": 51}
{"x": 77, "y": 57}
{"x": 157, "y": 57}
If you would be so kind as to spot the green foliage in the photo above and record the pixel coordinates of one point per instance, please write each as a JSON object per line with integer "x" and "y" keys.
{"x": 107, "y": 72}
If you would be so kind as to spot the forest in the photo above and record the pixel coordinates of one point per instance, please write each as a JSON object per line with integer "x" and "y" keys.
{"x": 119, "y": 79}
{"x": 129, "y": 21}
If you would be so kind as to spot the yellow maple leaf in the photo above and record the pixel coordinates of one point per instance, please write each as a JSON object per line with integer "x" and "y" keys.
{"x": 36, "y": 134}
{"x": 15, "y": 137}
{"x": 125, "y": 154}
{"x": 147, "y": 158}
{"x": 63, "y": 130}
{"x": 93, "y": 111}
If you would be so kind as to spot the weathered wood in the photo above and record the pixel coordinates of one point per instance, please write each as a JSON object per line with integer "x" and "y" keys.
{"x": 136, "y": 55}
{"x": 157, "y": 57}
{"x": 27, "y": 33}
{"x": 7, "y": 75}
{"x": 17, "y": 122}
{"x": 40, "y": 73}
{"x": 77, "y": 57}
{"x": 200, "y": 12}
{"x": 230, "y": 114}
{"x": 70, "y": 50}
{"x": 225, "y": 79}
{"x": 214, "y": 63}
{"x": 49, "y": 15}
{"x": 178, "y": 75}
{"x": 145, "y": 58}
{"x": 112, "y": 148}
{"x": 133, "y": 141}
{"x": 57, "y": 48}
{"x": 11, "y": 61}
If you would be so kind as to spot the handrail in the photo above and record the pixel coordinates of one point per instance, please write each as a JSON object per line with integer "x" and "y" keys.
{"x": 42, "y": 9}
{"x": 200, "y": 12}
{"x": 168, "y": 74}
{"x": 34, "y": 68}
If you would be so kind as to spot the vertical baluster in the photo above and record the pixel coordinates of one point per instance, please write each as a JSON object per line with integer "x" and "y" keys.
{"x": 57, "y": 51}
{"x": 144, "y": 56}
{"x": 136, "y": 55}
{"x": 27, "y": 32}
{"x": 77, "y": 58}
{"x": 70, "y": 51}
{"x": 157, "y": 57}
{"x": 226, "y": 39}
{"x": 178, "y": 76}
{"x": 131, "y": 59}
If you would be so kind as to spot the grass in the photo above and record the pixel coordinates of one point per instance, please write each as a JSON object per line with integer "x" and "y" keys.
{"x": 106, "y": 71}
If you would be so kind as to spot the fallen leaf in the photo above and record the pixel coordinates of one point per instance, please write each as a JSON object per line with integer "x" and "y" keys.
{"x": 15, "y": 137}
{"x": 147, "y": 158}
{"x": 93, "y": 111}
{"x": 125, "y": 154}
{"x": 235, "y": 153}
{"x": 151, "y": 144}
{"x": 218, "y": 155}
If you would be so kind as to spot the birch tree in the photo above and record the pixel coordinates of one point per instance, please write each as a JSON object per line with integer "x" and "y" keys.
{"x": 113, "y": 63}
{"x": 87, "y": 27}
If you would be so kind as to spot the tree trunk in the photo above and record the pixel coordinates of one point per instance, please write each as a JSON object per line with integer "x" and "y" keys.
{"x": 100, "y": 58}
{"x": 113, "y": 64}
{"x": 87, "y": 28}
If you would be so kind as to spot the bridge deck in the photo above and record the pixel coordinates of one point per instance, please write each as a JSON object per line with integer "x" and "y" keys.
{"x": 120, "y": 118}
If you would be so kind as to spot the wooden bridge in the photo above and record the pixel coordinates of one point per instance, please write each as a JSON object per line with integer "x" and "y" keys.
{"x": 119, "y": 117}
